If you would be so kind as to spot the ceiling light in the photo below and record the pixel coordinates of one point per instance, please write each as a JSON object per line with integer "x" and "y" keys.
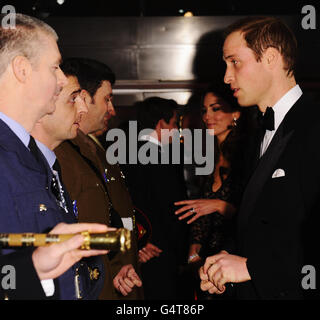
{"x": 188, "y": 14}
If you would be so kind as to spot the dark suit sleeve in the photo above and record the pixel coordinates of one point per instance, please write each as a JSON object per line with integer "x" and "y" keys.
{"x": 27, "y": 284}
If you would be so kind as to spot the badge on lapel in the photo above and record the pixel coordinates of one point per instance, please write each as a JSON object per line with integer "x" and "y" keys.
{"x": 42, "y": 207}
{"x": 75, "y": 208}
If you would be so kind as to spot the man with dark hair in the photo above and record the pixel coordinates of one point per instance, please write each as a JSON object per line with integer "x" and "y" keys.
{"x": 279, "y": 214}
{"x": 153, "y": 109}
{"x": 97, "y": 80}
{"x": 49, "y": 132}
{"x": 97, "y": 187}
{"x": 154, "y": 188}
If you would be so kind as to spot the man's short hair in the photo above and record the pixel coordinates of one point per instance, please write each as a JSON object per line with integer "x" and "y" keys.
{"x": 153, "y": 109}
{"x": 22, "y": 40}
{"x": 90, "y": 73}
{"x": 262, "y": 33}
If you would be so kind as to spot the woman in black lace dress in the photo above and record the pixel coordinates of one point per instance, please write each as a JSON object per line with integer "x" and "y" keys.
{"x": 212, "y": 217}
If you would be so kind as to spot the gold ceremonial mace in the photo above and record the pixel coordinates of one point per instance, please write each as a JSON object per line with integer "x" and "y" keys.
{"x": 118, "y": 240}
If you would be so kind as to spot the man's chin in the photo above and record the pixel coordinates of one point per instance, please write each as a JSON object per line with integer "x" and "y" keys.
{"x": 101, "y": 132}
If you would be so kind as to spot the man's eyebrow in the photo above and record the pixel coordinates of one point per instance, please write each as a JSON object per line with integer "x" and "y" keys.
{"x": 228, "y": 57}
{"x": 75, "y": 91}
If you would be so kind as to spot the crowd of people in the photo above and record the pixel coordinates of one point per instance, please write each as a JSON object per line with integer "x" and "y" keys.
{"x": 248, "y": 234}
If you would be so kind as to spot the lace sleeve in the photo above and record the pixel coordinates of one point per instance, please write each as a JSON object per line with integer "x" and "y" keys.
{"x": 200, "y": 229}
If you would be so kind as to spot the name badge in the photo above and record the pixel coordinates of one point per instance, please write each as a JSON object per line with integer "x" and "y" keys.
{"x": 127, "y": 223}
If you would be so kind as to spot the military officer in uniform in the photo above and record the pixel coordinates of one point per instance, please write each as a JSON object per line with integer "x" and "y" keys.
{"x": 49, "y": 132}
{"x": 97, "y": 187}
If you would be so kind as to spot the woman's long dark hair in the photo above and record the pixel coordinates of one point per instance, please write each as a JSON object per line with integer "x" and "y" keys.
{"x": 231, "y": 147}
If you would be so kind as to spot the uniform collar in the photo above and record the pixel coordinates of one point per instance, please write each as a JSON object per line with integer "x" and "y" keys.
{"x": 48, "y": 154}
{"x": 16, "y": 128}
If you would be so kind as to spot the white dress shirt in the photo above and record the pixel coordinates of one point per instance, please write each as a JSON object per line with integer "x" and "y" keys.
{"x": 280, "y": 110}
{"x": 150, "y": 139}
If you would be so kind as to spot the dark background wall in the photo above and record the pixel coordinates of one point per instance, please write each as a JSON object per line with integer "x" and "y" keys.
{"x": 154, "y": 50}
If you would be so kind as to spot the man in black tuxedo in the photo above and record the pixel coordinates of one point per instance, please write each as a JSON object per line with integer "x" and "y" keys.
{"x": 278, "y": 216}
{"x": 154, "y": 187}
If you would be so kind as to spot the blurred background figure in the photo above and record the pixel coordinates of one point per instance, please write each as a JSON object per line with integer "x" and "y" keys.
{"x": 154, "y": 189}
{"x": 212, "y": 216}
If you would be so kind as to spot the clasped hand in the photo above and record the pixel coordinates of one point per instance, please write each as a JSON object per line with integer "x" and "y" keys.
{"x": 220, "y": 269}
{"x": 126, "y": 279}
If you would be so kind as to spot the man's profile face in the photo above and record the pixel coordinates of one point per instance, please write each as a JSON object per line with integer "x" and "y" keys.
{"x": 100, "y": 110}
{"x": 70, "y": 107}
{"x": 47, "y": 79}
{"x": 247, "y": 77}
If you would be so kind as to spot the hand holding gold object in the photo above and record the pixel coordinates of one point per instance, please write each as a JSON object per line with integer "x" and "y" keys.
{"x": 118, "y": 240}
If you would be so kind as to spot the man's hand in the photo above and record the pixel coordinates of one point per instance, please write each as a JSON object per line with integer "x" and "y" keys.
{"x": 148, "y": 252}
{"x": 221, "y": 269}
{"x": 207, "y": 285}
{"x": 126, "y": 279}
{"x": 52, "y": 261}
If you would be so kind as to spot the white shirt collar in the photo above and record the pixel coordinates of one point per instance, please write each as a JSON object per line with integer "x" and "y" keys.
{"x": 282, "y": 107}
{"x": 150, "y": 139}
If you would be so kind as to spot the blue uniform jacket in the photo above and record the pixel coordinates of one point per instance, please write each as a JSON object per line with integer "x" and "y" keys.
{"x": 28, "y": 205}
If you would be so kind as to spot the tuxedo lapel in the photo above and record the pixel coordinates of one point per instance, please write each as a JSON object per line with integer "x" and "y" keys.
{"x": 263, "y": 171}
{"x": 267, "y": 163}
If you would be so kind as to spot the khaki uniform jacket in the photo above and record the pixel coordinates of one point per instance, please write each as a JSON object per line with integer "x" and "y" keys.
{"x": 89, "y": 190}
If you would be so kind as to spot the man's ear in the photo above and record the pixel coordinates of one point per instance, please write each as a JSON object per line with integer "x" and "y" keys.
{"x": 271, "y": 57}
{"x": 21, "y": 68}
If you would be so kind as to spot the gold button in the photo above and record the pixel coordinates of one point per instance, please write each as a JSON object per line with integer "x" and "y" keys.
{"x": 94, "y": 273}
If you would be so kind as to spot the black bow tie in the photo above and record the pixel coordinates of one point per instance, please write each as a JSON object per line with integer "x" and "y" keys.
{"x": 268, "y": 119}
